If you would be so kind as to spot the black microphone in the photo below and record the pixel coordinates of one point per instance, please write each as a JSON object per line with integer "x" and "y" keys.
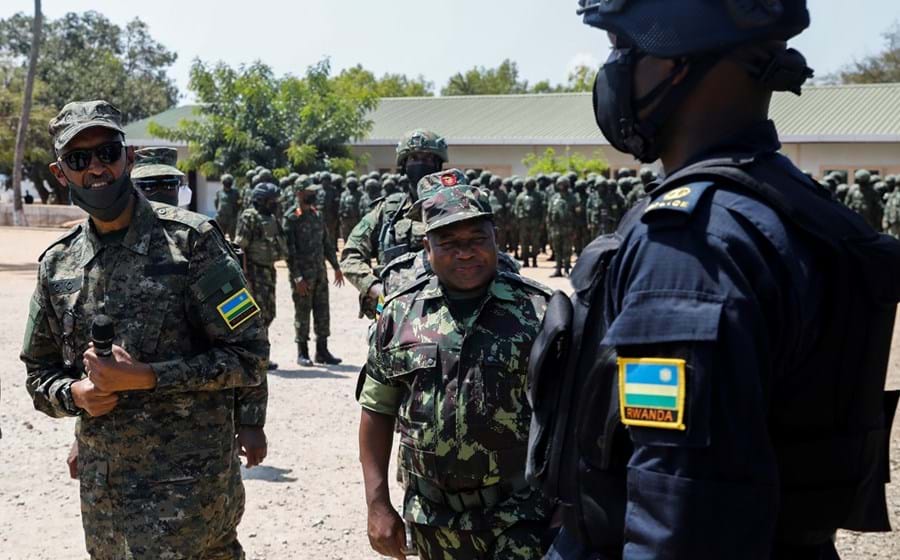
{"x": 102, "y": 334}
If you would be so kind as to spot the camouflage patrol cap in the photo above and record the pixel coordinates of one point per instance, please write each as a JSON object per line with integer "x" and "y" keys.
{"x": 452, "y": 205}
{"x": 155, "y": 162}
{"x": 421, "y": 141}
{"x": 430, "y": 184}
{"x": 82, "y": 115}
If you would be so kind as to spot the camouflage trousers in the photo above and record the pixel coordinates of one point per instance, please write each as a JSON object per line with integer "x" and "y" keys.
{"x": 170, "y": 519}
{"x": 521, "y": 541}
{"x": 893, "y": 230}
{"x": 228, "y": 223}
{"x": 261, "y": 280}
{"x": 333, "y": 225}
{"x": 512, "y": 237}
{"x": 315, "y": 302}
{"x": 561, "y": 242}
{"x": 582, "y": 238}
{"x": 529, "y": 238}
{"x": 501, "y": 229}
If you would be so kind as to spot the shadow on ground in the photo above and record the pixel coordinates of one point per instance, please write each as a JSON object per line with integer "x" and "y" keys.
{"x": 23, "y": 267}
{"x": 267, "y": 473}
{"x": 333, "y": 372}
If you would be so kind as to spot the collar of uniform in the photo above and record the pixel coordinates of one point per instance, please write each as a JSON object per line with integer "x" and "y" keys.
{"x": 758, "y": 138}
{"x": 137, "y": 239}
{"x": 499, "y": 289}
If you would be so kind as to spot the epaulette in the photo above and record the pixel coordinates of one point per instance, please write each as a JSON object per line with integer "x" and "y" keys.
{"x": 413, "y": 286}
{"x": 527, "y": 282}
{"x": 166, "y": 212}
{"x": 65, "y": 237}
{"x": 677, "y": 201}
{"x": 396, "y": 262}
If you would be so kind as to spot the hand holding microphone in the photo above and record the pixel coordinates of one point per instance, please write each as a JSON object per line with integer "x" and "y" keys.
{"x": 110, "y": 367}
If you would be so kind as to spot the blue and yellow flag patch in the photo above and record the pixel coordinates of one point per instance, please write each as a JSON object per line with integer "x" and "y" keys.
{"x": 238, "y": 308}
{"x": 651, "y": 392}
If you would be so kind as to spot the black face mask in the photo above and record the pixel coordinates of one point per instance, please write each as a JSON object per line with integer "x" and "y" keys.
{"x": 105, "y": 204}
{"x": 164, "y": 196}
{"x": 616, "y": 110}
{"x": 415, "y": 171}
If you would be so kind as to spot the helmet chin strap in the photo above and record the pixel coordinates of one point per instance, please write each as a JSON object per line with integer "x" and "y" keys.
{"x": 777, "y": 67}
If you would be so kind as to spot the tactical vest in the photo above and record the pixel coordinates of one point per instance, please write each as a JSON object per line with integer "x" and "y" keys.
{"x": 398, "y": 235}
{"x": 831, "y": 446}
{"x": 266, "y": 250}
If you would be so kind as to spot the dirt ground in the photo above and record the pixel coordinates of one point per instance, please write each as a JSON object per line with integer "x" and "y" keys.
{"x": 306, "y": 501}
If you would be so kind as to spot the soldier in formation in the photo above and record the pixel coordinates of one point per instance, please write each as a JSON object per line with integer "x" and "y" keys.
{"x": 260, "y": 236}
{"x": 226, "y": 205}
{"x": 309, "y": 245}
{"x": 561, "y": 225}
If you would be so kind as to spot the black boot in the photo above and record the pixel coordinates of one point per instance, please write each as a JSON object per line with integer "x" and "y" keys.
{"x": 303, "y": 355}
{"x": 272, "y": 366}
{"x": 323, "y": 356}
{"x": 556, "y": 273}
{"x": 534, "y": 262}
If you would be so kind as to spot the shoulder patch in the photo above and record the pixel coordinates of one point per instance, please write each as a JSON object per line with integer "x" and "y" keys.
{"x": 238, "y": 308}
{"x": 69, "y": 235}
{"x": 527, "y": 282}
{"x": 652, "y": 392}
{"x": 683, "y": 199}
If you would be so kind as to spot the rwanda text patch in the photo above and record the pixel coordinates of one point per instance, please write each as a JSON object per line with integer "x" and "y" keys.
{"x": 651, "y": 392}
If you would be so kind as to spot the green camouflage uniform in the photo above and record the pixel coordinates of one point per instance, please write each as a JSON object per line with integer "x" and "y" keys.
{"x": 891, "y": 219}
{"x": 261, "y": 238}
{"x": 528, "y": 211}
{"x": 561, "y": 227}
{"x": 308, "y": 247}
{"x": 350, "y": 210}
{"x": 865, "y": 201}
{"x": 581, "y": 234}
{"x": 159, "y": 475}
{"x": 226, "y": 204}
{"x": 453, "y": 373}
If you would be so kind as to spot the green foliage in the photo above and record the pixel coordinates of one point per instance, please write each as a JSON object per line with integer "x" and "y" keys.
{"x": 249, "y": 117}
{"x": 358, "y": 79}
{"x": 883, "y": 67}
{"x": 504, "y": 80}
{"x": 487, "y": 81}
{"x": 86, "y": 56}
{"x": 549, "y": 162}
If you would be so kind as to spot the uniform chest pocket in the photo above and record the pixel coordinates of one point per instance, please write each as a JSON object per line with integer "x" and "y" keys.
{"x": 417, "y": 367}
{"x": 154, "y": 306}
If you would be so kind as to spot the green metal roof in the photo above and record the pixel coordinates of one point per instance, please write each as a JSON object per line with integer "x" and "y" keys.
{"x": 138, "y": 133}
{"x": 846, "y": 113}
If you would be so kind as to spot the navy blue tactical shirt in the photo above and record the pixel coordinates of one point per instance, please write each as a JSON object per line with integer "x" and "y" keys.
{"x": 712, "y": 302}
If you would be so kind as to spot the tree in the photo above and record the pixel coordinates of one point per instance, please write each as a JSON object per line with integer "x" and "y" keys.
{"x": 883, "y": 67}
{"x": 358, "y": 78}
{"x": 487, "y": 81}
{"x": 248, "y": 116}
{"x": 549, "y": 162}
{"x": 22, "y": 129}
{"x": 581, "y": 79}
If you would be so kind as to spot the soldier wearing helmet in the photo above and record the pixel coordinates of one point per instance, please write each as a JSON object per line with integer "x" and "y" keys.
{"x": 385, "y": 233}
{"x": 863, "y": 199}
{"x": 715, "y": 336}
{"x": 226, "y": 204}
{"x": 260, "y": 236}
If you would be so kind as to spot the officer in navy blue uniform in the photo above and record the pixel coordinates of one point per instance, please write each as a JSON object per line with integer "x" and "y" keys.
{"x": 720, "y": 303}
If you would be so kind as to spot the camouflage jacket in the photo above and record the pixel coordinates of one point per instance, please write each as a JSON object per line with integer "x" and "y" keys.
{"x": 371, "y": 237}
{"x": 227, "y": 203}
{"x": 867, "y": 203}
{"x": 457, "y": 388}
{"x": 260, "y": 237}
{"x": 179, "y": 302}
{"x": 411, "y": 267}
{"x": 561, "y": 215}
{"x": 529, "y": 206}
{"x": 350, "y": 205}
{"x": 892, "y": 209}
{"x": 499, "y": 206}
{"x": 308, "y": 244}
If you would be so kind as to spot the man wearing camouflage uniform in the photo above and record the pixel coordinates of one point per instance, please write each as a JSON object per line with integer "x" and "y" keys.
{"x": 448, "y": 368}
{"x": 864, "y": 200}
{"x": 155, "y": 174}
{"x": 226, "y": 204}
{"x": 528, "y": 213}
{"x": 561, "y": 226}
{"x": 891, "y": 219}
{"x": 581, "y": 234}
{"x": 500, "y": 207}
{"x": 156, "y": 427}
{"x": 260, "y": 236}
{"x": 308, "y": 247}
{"x": 350, "y": 207}
{"x": 385, "y": 233}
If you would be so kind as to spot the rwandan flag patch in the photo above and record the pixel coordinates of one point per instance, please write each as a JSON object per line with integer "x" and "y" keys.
{"x": 238, "y": 308}
{"x": 651, "y": 392}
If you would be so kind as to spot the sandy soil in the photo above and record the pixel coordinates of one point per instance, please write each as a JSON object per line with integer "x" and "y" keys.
{"x": 306, "y": 501}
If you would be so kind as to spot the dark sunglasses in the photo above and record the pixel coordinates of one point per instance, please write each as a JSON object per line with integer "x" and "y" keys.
{"x": 79, "y": 160}
{"x": 154, "y": 184}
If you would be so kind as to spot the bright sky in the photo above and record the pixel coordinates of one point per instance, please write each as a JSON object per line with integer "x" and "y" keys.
{"x": 432, "y": 38}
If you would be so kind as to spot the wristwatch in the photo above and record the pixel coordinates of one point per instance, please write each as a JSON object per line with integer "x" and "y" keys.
{"x": 67, "y": 402}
